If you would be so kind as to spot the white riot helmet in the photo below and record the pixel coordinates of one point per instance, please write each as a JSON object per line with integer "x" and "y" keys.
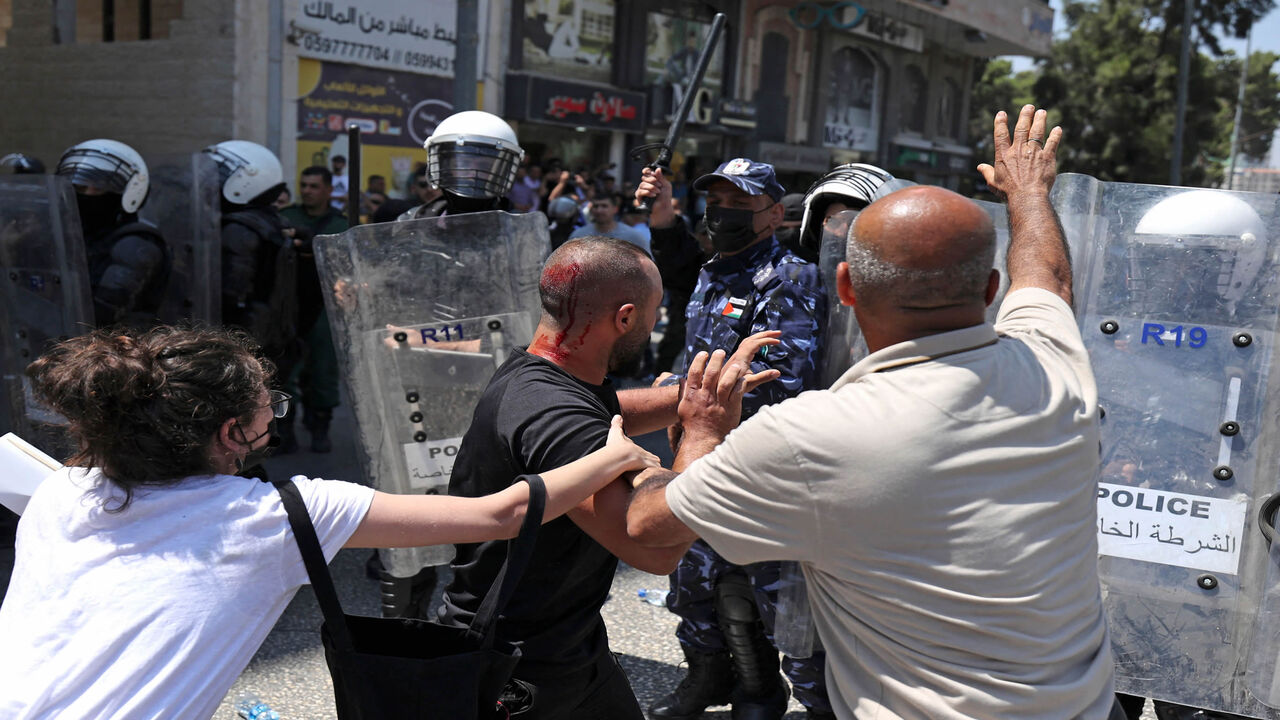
{"x": 854, "y": 184}
{"x": 1189, "y": 225}
{"x": 111, "y": 166}
{"x": 247, "y": 170}
{"x": 473, "y": 154}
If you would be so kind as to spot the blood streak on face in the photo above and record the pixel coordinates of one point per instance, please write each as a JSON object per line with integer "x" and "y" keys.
{"x": 560, "y": 280}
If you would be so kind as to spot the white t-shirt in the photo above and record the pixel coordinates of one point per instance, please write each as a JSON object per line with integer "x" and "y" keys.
{"x": 152, "y": 612}
{"x": 941, "y": 500}
{"x": 338, "y": 198}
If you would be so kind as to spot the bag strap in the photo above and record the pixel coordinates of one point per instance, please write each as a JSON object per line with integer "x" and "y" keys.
{"x": 519, "y": 552}
{"x": 304, "y": 532}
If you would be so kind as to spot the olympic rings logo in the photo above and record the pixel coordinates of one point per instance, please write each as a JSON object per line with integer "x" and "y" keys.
{"x": 809, "y": 15}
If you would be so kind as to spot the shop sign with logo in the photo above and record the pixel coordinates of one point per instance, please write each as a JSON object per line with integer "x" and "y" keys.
{"x": 576, "y": 104}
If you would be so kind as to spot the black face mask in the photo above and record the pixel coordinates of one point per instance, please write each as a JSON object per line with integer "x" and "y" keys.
{"x": 731, "y": 229}
{"x": 98, "y": 213}
{"x": 255, "y": 456}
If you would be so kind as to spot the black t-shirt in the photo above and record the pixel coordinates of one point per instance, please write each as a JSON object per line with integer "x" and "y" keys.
{"x": 535, "y": 417}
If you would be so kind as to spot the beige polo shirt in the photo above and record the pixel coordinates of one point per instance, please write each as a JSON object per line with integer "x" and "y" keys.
{"x": 940, "y": 497}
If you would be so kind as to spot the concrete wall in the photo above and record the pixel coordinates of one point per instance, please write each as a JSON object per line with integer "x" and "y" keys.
{"x": 161, "y": 96}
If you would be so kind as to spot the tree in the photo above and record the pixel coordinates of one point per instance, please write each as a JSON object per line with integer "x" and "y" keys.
{"x": 1112, "y": 84}
{"x": 1261, "y": 103}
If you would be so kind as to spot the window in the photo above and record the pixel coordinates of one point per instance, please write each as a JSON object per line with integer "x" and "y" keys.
{"x": 123, "y": 20}
{"x": 853, "y": 90}
{"x": 914, "y": 99}
{"x": 949, "y": 109}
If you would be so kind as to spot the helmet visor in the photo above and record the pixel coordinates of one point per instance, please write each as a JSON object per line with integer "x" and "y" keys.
{"x": 87, "y": 166}
{"x": 472, "y": 170}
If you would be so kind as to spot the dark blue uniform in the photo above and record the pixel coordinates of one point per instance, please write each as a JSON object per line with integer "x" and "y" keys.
{"x": 764, "y": 287}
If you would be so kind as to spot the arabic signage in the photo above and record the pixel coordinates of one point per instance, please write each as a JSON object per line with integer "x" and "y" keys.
{"x": 565, "y": 103}
{"x": 417, "y": 36}
{"x": 391, "y": 108}
{"x": 568, "y": 38}
{"x": 1025, "y": 23}
{"x": 430, "y": 464}
{"x": 396, "y": 112}
{"x": 1171, "y": 528}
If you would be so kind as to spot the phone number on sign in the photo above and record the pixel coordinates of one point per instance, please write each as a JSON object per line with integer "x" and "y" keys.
{"x": 345, "y": 48}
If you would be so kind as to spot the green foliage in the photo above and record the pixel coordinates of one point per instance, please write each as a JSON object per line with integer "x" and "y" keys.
{"x": 1111, "y": 83}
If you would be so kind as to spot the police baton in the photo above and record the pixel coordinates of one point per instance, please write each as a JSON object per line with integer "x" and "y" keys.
{"x": 667, "y": 149}
{"x": 353, "y": 174}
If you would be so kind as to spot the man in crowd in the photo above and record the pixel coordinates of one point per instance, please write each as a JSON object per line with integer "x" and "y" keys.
{"x": 940, "y": 496}
{"x": 315, "y": 378}
{"x": 338, "y": 198}
{"x": 604, "y": 221}
{"x": 600, "y": 299}
{"x": 751, "y": 284}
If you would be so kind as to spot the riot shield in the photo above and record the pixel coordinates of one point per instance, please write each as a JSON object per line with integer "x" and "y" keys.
{"x": 184, "y": 202}
{"x": 45, "y": 294}
{"x": 1178, "y": 308}
{"x": 423, "y": 312}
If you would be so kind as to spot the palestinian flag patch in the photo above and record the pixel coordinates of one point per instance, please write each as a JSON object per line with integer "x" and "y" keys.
{"x": 733, "y": 307}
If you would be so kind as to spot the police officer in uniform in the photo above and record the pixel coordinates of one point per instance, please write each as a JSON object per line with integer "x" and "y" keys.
{"x": 259, "y": 263}
{"x": 128, "y": 258}
{"x": 472, "y": 158}
{"x": 752, "y": 283}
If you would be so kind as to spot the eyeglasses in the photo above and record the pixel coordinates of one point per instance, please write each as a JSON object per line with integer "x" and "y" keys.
{"x": 279, "y": 403}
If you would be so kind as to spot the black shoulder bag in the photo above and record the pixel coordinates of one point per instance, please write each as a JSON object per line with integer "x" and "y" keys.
{"x": 390, "y": 668}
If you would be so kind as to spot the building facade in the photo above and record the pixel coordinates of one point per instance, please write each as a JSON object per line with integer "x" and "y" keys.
{"x": 799, "y": 84}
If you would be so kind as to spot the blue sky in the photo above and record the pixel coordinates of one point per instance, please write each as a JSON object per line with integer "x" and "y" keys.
{"x": 1266, "y": 36}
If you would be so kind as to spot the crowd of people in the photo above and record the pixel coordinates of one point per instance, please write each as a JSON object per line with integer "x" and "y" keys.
{"x": 938, "y": 499}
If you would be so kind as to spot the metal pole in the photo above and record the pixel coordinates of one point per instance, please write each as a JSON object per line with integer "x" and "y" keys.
{"x": 275, "y": 82}
{"x": 1184, "y": 75}
{"x": 1235, "y": 127}
{"x": 464, "y": 59}
{"x": 353, "y": 174}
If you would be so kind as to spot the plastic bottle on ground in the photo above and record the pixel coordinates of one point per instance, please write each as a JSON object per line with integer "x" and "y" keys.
{"x": 654, "y": 596}
{"x": 251, "y": 707}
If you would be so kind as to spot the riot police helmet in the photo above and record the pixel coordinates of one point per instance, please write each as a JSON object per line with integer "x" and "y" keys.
{"x": 563, "y": 209}
{"x": 250, "y": 173}
{"x": 109, "y": 166}
{"x": 856, "y": 185}
{"x": 473, "y": 154}
{"x": 1198, "y": 243}
{"x": 20, "y": 164}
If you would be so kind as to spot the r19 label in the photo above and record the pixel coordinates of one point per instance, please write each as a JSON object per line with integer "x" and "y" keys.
{"x": 1193, "y": 337}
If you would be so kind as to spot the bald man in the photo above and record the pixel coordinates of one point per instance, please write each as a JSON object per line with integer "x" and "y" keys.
{"x": 940, "y": 496}
{"x": 600, "y": 298}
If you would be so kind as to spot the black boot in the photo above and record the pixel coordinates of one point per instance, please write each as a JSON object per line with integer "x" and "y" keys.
{"x": 318, "y": 423}
{"x": 708, "y": 682}
{"x": 761, "y": 693}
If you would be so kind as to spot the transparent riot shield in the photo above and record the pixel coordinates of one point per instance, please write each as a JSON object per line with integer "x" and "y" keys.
{"x": 184, "y": 202}
{"x": 1178, "y": 308}
{"x": 45, "y": 296}
{"x": 423, "y": 312}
